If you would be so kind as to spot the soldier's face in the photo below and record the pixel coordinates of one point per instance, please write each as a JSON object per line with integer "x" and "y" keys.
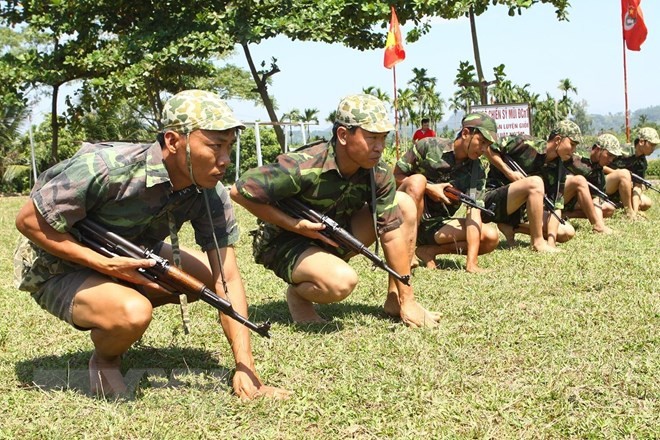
{"x": 364, "y": 147}
{"x": 474, "y": 142}
{"x": 566, "y": 147}
{"x": 210, "y": 155}
{"x": 605, "y": 158}
{"x": 645, "y": 147}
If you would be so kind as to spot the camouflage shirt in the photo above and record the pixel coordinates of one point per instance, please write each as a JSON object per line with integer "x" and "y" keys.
{"x": 530, "y": 154}
{"x": 126, "y": 188}
{"x": 582, "y": 165}
{"x": 635, "y": 164}
{"x": 311, "y": 175}
{"x": 434, "y": 158}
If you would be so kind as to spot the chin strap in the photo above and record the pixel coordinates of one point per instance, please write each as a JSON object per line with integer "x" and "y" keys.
{"x": 189, "y": 162}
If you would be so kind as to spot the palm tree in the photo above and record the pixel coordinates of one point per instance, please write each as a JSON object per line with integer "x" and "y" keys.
{"x": 309, "y": 115}
{"x": 332, "y": 117}
{"x": 565, "y": 105}
{"x": 405, "y": 105}
{"x": 292, "y": 116}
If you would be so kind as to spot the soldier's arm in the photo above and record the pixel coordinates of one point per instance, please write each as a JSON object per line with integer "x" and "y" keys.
{"x": 272, "y": 214}
{"x": 64, "y": 245}
{"x": 495, "y": 159}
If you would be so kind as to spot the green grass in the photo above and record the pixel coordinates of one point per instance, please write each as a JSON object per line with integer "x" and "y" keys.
{"x": 543, "y": 346}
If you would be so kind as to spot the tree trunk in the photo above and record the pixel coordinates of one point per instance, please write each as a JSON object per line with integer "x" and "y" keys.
{"x": 262, "y": 88}
{"x": 55, "y": 127}
{"x": 483, "y": 88}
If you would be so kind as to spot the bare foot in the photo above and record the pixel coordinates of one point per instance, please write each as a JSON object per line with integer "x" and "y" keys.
{"x": 546, "y": 248}
{"x": 302, "y": 311}
{"x": 477, "y": 270}
{"x": 605, "y": 230}
{"x": 391, "y": 306}
{"x": 105, "y": 378}
{"x": 426, "y": 255}
{"x": 414, "y": 315}
{"x": 509, "y": 233}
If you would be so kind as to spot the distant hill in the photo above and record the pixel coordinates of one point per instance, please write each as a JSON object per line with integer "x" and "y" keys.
{"x": 617, "y": 122}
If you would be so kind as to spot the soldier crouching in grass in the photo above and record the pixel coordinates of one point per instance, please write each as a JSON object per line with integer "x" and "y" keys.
{"x": 143, "y": 192}
{"x": 634, "y": 159}
{"x": 341, "y": 179}
{"x": 615, "y": 184}
{"x": 434, "y": 164}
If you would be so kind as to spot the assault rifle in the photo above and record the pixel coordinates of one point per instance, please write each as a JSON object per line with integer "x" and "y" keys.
{"x": 547, "y": 203}
{"x": 167, "y": 276}
{"x": 602, "y": 195}
{"x": 457, "y": 196}
{"x": 332, "y": 230}
{"x": 643, "y": 181}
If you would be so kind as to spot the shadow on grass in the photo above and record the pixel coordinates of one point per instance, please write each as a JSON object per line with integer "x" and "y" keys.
{"x": 335, "y": 314}
{"x": 142, "y": 367}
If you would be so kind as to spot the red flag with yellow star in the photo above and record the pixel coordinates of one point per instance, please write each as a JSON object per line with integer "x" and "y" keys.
{"x": 394, "y": 52}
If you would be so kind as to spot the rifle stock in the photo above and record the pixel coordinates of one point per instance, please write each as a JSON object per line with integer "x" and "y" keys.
{"x": 167, "y": 276}
{"x": 547, "y": 203}
{"x": 642, "y": 181}
{"x": 332, "y": 230}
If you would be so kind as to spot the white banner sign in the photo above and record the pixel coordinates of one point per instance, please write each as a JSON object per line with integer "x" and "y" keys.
{"x": 512, "y": 119}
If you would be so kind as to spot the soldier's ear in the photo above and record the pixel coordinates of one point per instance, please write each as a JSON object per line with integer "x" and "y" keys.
{"x": 171, "y": 141}
{"x": 342, "y": 133}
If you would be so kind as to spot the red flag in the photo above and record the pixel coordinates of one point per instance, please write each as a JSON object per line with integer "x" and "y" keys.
{"x": 634, "y": 28}
{"x": 394, "y": 52}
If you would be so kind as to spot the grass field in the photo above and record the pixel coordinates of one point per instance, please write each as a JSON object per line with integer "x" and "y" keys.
{"x": 543, "y": 346}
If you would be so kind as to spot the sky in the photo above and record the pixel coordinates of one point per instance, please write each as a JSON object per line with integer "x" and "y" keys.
{"x": 535, "y": 47}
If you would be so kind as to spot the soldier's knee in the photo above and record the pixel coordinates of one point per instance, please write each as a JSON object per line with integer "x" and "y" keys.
{"x": 341, "y": 282}
{"x": 134, "y": 315}
{"x": 490, "y": 238}
{"x": 414, "y": 186}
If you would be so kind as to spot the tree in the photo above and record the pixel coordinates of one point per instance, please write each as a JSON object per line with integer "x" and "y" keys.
{"x": 309, "y": 115}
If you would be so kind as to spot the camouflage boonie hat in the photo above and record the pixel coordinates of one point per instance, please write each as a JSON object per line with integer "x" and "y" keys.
{"x": 198, "y": 110}
{"x": 648, "y": 134}
{"x": 482, "y": 122}
{"x": 568, "y": 129}
{"x": 610, "y": 143}
{"x": 364, "y": 111}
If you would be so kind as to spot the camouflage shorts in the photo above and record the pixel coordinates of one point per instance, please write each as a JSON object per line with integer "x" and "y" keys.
{"x": 428, "y": 228}
{"x": 52, "y": 282}
{"x": 281, "y": 252}
{"x": 497, "y": 199}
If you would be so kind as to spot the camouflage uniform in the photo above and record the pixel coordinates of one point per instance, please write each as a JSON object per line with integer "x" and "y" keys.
{"x": 581, "y": 163}
{"x": 434, "y": 158}
{"x": 126, "y": 188}
{"x": 311, "y": 175}
{"x": 629, "y": 160}
{"x": 530, "y": 154}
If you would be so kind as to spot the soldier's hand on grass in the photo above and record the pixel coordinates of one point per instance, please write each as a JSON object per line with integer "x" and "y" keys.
{"x": 247, "y": 385}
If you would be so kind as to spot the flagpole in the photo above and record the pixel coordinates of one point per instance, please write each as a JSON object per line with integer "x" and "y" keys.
{"x": 625, "y": 80}
{"x": 396, "y": 116}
